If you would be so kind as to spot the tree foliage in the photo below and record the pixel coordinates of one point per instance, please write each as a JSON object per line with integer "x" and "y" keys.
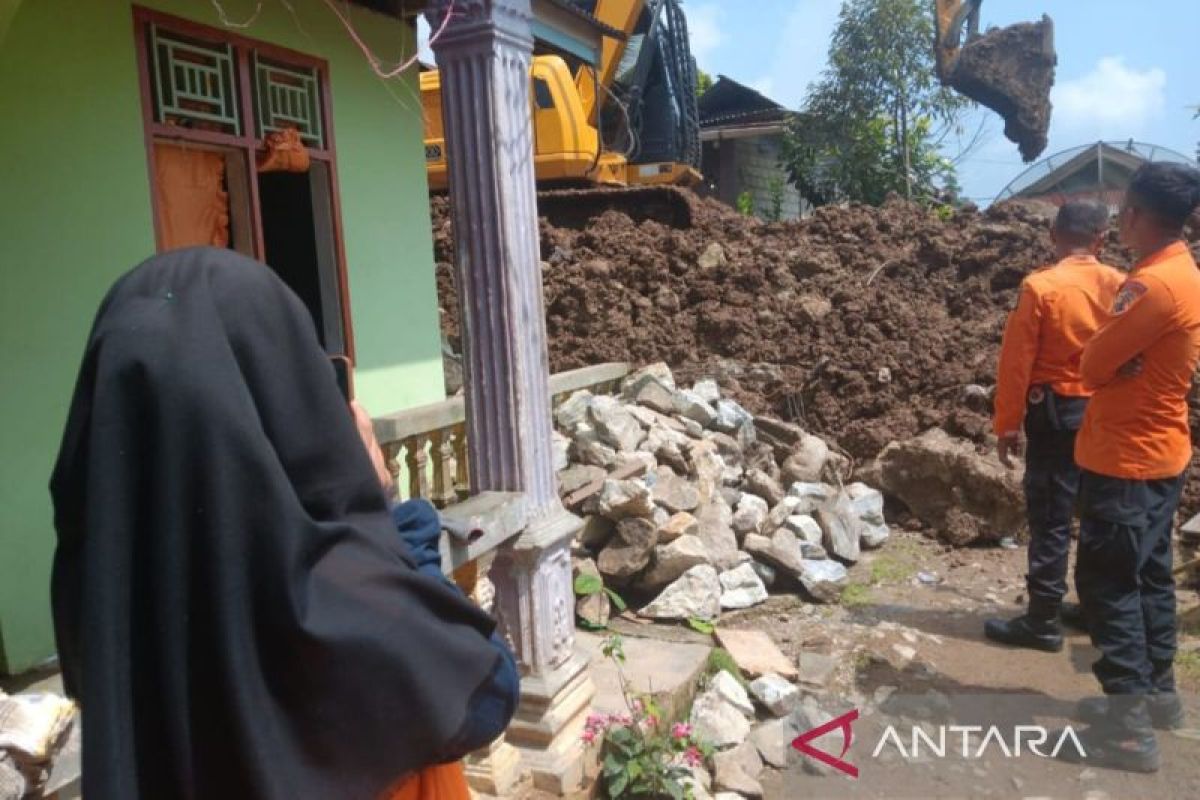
{"x": 704, "y": 82}
{"x": 871, "y": 125}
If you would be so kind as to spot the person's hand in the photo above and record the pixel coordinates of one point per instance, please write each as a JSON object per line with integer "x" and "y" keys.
{"x": 366, "y": 432}
{"x": 1132, "y": 368}
{"x": 1007, "y": 446}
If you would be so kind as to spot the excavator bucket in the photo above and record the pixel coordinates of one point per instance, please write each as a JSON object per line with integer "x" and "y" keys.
{"x": 1010, "y": 70}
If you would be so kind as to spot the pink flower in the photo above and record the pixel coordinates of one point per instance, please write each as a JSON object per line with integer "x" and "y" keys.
{"x": 597, "y": 721}
{"x": 693, "y": 757}
{"x": 681, "y": 730}
{"x": 624, "y": 720}
{"x": 589, "y": 736}
{"x": 651, "y": 721}
{"x": 638, "y": 706}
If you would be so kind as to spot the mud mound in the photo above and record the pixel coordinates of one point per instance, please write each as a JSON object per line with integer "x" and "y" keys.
{"x": 865, "y": 325}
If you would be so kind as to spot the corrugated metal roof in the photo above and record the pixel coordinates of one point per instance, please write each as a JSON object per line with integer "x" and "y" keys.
{"x": 728, "y": 101}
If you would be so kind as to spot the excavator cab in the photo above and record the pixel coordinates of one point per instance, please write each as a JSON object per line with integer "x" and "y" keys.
{"x": 1009, "y": 70}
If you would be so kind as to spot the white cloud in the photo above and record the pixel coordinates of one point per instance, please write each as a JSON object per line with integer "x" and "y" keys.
{"x": 423, "y": 48}
{"x": 704, "y": 29}
{"x": 1111, "y": 101}
{"x": 801, "y": 50}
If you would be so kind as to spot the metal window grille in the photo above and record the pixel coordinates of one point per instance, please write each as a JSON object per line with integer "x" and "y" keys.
{"x": 193, "y": 81}
{"x": 288, "y": 97}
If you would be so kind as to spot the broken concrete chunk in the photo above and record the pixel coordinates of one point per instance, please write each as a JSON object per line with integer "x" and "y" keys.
{"x": 760, "y": 483}
{"x": 697, "y": 594}
{"x": 576, "y": 476}
{"x": 672, "y": 560}
{"x": 964, "y": 495}
{"x": 656, "y": 395}
{"x": 620, "y": 499}
{"x": 742, "y": 588}
{"x": 754, "y": 653}
{"x": 736, "y": 771}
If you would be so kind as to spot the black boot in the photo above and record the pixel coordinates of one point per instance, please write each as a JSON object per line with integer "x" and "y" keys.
{"x": 1071, "y": 615}
{"x": 1166, "y": 712}
{"x": 1037, "y": 629}
{"x": 1123, "y": 739}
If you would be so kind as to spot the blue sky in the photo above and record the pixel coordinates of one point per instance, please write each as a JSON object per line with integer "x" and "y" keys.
{"x": 1124, "y": 70}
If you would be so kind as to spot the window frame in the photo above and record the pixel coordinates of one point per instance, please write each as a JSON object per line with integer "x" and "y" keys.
{"x": 247, "y": 145}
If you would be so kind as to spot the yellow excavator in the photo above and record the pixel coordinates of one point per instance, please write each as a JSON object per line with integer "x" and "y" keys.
{"x": 623, "y": 133}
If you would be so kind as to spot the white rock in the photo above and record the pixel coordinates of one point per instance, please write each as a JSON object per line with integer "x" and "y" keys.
{"x": 656, "y": 395}
{"x": 673, "y": 559}
{"x": 736, "y": 771}
{"x": 659, "y": 372}
{"x": 841, "y": 529}
{"x": 574, "y": 410}
{"x": 708, "y": 468}
{"x": 866, "y": 502}
{"x": 873, "y": 536}
{"x": 697, "y": 594}
{"x": 716, "y": 531}
{"x": 615, "y": 426}
{"x": 776, "y": 694}
{"x": 805, "y": 528}
{"x": 824, "y": 580}
{"x": 779, "y": 514}
{"x": 562, "y": 451}
{"x": 707, "y": 390}
{"x": 718, "y": 722}
{"x": 751, "y": 515}
{"x": 731, "y": 692}
{"x": 731, "y": 416}
{"x": 621, "y": 499}
{"x": 690, "y": 405}
{"x": 742, "y": 588}
{"x": 807, "y": 461}
{"x": 811, "y": 495}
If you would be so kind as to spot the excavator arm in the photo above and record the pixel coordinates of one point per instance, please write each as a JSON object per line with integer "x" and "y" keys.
{"x": 1009, "y": 70}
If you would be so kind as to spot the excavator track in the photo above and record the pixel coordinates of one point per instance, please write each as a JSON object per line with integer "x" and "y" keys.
{"x": 575, "y": 208}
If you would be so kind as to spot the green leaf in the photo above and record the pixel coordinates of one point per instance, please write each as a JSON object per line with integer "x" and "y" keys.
{"x": 587, "y": 585}
{"x": 588, "y": 625}
{"x": 616, "y": 786}
{"x": 701, "y": 626}
{"x": 618, "y": 602}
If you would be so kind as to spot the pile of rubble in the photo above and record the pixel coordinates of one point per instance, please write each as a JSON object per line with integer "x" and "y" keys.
{"x": 865, "y": 326}
{"x": 695, "y": 504}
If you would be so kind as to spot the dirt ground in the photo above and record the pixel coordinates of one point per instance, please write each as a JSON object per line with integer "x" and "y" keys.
{"x": 898, "y": 631}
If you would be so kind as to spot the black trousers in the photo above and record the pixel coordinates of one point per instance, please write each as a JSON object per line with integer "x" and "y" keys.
{"x": 1123, "y": 576}
{"x": 1051, "y": 485}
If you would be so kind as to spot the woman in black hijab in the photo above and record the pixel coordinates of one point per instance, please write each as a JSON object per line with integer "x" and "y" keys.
{"x": 235, "y": 611}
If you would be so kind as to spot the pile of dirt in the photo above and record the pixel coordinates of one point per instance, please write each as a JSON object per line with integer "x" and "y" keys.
{"x": 864, "y": 325}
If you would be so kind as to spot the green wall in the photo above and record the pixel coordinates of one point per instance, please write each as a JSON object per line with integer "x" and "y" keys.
{"x": 75, "y": 214}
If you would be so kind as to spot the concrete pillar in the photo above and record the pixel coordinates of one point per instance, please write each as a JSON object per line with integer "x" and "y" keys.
{"x": 483, "y": 55}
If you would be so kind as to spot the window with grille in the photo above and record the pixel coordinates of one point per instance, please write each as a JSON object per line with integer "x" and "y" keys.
{"x": 211, "y": 100}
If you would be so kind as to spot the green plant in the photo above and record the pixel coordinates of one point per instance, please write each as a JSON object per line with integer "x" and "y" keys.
{"x": 639, "y": 756}
{"x": 719, "y": 660}
{"x": 856, "y": 595}
{"x": 701, "y": 626}
{"x": 1187, "y": 666}
{"x": 775, "y": 199}
{"x": 587, "y": 584}
{"x": 745, "y": 203}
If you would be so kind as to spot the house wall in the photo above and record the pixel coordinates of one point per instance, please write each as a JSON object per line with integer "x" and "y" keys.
{"x": 75, "y": 214}
{"x": 751, "y": 165}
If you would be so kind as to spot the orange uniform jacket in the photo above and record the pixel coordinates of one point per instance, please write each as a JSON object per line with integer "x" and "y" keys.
{"x": 1059, "y": 309}
{"x": 1137, "y": 427}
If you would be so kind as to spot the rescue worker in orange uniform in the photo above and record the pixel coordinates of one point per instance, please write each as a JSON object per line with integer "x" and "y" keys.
{"x": 1133, "y": 449}
{"x": 1039, "y": 388}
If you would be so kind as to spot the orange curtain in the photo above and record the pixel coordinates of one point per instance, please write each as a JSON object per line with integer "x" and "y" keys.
{"x": 285, "y": 152}
{"x": 193, "y": 206}
{"x": 439, "y": 782}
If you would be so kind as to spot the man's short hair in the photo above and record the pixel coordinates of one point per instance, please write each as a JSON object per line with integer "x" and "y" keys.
{"x": 1081, "y": 221}
{"x": 1168, "y": 191}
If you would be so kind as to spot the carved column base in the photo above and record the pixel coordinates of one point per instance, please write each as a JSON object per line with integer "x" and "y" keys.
{"x": 548, "y": 727}
{"x": 495, "y": 770}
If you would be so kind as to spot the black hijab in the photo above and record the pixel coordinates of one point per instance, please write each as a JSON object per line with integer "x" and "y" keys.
{"x": 234, "y": 608}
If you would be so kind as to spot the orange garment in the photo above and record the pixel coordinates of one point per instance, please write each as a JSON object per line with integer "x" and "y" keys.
{"x": 1059, "y": 309}
{"x": 439, "y": 782}
{"x": 285, "y": 153}
{"x": 1137, "y": 427}
{"x": 193, "y": 207}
